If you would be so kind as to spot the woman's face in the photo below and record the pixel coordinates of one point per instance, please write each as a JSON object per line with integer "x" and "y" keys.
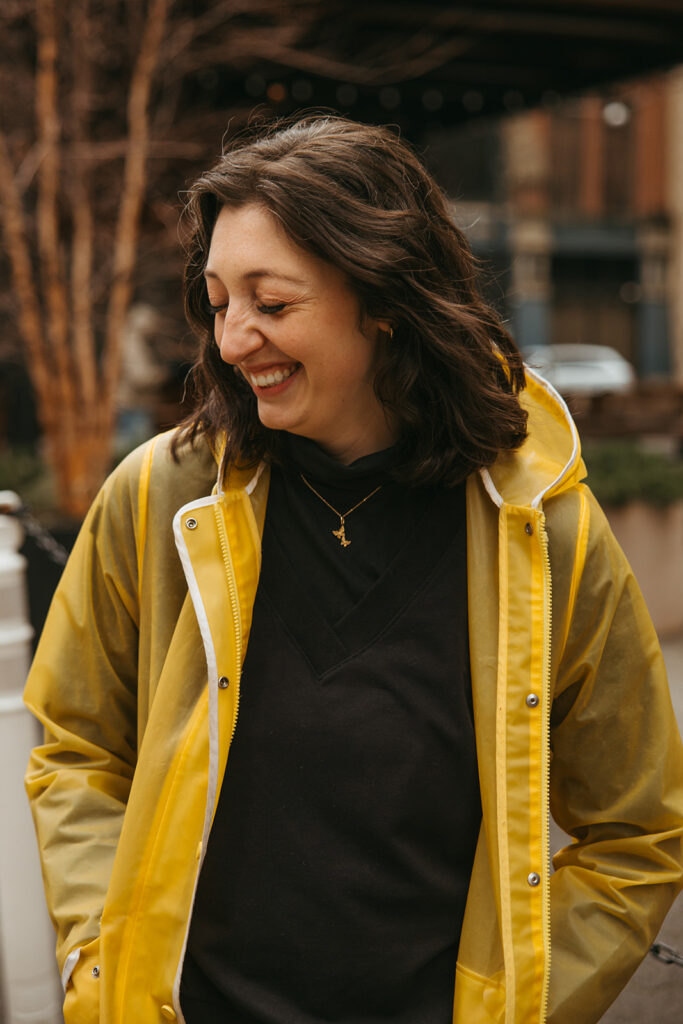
{"x": 290, "y": 324}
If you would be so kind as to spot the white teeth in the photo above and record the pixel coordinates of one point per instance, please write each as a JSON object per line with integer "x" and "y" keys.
{"x": 266, "y": 380}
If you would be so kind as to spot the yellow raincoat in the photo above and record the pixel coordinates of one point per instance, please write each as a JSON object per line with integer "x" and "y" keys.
{"x": 137, "y": 678}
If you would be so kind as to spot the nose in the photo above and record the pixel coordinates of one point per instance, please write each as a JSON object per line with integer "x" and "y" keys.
{"x": 236, "y": 337}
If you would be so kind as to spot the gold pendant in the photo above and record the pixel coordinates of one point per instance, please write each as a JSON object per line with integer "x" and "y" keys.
{"x": 341, "y": 535}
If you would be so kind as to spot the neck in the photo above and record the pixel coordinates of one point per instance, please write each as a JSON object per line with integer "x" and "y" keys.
{"x": 347, "y": 450}
{"x": 301, "y": 455}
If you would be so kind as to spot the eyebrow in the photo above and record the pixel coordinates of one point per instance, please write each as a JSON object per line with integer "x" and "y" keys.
{"x": 259, "y": 273}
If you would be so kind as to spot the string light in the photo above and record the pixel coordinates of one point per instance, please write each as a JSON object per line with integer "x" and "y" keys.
{"x": 432, "y": 99}
{"x": 276, "y": 92}
{"x": 616, "y": 114}
{"x": 346, "y": 95}
{"x": 389, "y": 97}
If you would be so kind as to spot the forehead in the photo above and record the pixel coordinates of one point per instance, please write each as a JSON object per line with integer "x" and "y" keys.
{"x": 248, "y": 243}
{"x": 247, "y": 235}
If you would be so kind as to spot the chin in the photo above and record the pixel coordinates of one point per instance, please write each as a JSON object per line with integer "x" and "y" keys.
{"x": 274, "y": 422}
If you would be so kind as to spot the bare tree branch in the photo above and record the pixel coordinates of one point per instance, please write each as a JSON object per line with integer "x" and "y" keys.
{"x": 81, "y": 213}
{"x": 134, "y": 183}
{"x": 13, "y": 10}
{"x": 114, "y": 149}
{"x": 30, "y": 325}
{"x": 47, "y": 217}
{"x": 246, "y": 46}
{"x": 221, "y": 14}
{"x": 28, "y": 168}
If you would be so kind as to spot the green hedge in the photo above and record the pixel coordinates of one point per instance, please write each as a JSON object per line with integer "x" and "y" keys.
{"x": 620, "y": 471}
{"x": 24, "y": 471}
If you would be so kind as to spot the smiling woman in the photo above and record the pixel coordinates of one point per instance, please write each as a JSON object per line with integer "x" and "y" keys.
{"x": 325, "y": 656}
{"x": 294, "y": 333}
{"x": 353, "y": 215}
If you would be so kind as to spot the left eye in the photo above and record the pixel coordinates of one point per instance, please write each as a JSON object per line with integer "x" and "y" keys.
{"x": 271, "y": 309}
{"x": 210, "y": 309}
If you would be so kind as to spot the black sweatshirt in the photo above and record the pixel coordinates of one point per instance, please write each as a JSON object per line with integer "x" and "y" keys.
{"x": 335, "y": 879}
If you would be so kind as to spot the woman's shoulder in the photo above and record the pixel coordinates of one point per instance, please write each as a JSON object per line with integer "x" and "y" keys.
{"x": 177, "y": 471}
{"x": 151, "y": 483}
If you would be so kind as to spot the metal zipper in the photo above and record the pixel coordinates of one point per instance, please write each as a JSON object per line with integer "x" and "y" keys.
{"x": 547, "y": 653}
{"x": 235, "y": 607}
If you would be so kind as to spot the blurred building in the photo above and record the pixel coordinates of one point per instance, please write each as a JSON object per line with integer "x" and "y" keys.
{"x": 577, "y": 209}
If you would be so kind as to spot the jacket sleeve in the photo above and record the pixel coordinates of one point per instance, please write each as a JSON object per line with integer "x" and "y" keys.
{"x": 616, "y": 783}
{"x": 82, "y": 687}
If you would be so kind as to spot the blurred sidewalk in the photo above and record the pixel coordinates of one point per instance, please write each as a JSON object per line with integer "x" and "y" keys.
{"x": 673, "y": 655}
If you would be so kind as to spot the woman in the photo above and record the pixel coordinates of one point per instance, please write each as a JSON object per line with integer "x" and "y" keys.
{"x": 417, "y": 605}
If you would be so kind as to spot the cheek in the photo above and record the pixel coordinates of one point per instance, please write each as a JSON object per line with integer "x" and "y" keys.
{"x": 362, "y": 362}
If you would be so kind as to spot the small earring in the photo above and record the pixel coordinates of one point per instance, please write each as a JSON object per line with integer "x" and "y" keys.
{"x": 390, "y": 332}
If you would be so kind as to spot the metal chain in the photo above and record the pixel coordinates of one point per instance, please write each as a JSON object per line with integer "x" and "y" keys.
{"x": 667, "y": 954}
{"x": 331, "y": 507}
{"x": 40, "y": 534}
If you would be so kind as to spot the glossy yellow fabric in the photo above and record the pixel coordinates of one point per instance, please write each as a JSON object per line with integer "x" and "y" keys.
{"x": 137, "y": 734}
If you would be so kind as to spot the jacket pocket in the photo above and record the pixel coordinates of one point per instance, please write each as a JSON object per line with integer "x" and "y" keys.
{"x": 477, "y": 1000}
{"x": 82, "y": 1000}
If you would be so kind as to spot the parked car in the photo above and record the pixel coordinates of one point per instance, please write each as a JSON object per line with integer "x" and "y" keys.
{"x": 582, "y": 369}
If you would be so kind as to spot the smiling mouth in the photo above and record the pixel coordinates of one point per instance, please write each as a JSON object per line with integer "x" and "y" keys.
{"x": 269, "y": 380}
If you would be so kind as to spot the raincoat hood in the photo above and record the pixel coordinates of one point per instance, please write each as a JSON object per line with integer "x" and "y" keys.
{"x": 549, "y": 461}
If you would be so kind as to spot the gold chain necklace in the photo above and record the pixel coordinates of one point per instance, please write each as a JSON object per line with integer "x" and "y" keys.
{"x": 340, "y": 533}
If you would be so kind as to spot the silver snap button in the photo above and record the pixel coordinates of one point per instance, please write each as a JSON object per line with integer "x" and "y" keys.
{"x": 528, "y": 529}
{"x": 95, "y": 972}
{"x": 224, "y": 682}
{"x": 534, "y": 879}
{"x": 532, "y": 700}
{"x": 191, "y": 523}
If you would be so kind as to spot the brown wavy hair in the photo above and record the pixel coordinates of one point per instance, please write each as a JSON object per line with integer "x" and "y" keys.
{"x": 357, "y": 196}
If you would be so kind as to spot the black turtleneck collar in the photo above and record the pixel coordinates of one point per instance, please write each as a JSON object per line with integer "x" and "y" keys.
{"x": 301, "y": 455}
{"x": 381, "y": 514}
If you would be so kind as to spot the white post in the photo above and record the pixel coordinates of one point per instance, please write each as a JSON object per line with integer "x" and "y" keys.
{"x": 29, "y": 984}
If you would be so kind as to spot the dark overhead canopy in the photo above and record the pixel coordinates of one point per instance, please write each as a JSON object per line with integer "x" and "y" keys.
{"x": 447, "y": 61}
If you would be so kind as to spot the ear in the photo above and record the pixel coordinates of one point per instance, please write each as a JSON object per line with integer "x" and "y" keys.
{"x": 386, "y": 327}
